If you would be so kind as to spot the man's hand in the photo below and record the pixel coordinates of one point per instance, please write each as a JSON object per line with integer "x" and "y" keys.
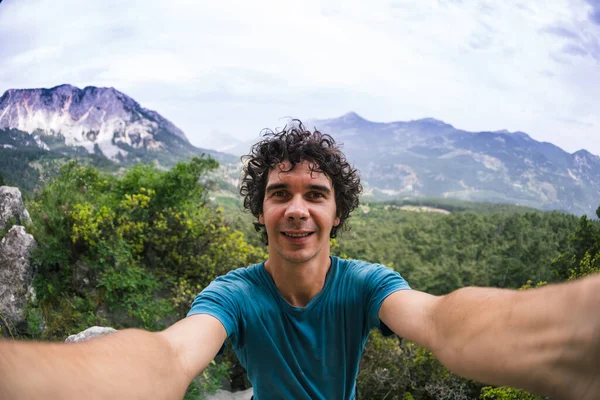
{"x": 546, "y": 340}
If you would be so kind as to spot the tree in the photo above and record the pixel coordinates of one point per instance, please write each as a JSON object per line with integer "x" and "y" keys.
{"x": 582, "y": 256}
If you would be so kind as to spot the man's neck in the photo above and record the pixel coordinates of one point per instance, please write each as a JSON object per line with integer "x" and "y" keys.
{"x": 298, "y": 283}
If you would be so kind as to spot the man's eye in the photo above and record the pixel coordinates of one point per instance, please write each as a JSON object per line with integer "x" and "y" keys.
{"x": 279, "y": 193}
{"x": 316, "y": 195}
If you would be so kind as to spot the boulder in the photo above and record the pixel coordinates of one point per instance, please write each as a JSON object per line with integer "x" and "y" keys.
{"x": 90, "y": 333}
{"x": 12, "y": 207}
{"x": 16, "y": 274}
{"x": 225, "y": 395}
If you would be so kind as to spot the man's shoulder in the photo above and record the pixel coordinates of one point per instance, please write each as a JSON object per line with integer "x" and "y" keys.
{"x": 350, "y": 262}
{"x": 366, "y": 274}
{"x": 240, "y": 277}
{"x": 352, "y": 267}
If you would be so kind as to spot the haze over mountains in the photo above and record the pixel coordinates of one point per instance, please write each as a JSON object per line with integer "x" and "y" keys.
{"x": 422, "y": 158}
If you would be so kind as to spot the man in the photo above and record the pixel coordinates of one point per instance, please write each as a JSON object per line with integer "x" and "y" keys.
{"x": 299, "y": 320}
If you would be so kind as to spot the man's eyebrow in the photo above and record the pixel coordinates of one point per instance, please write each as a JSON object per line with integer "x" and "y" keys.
{"x": 276, "y": 186}
{"x": 321, "y": 188}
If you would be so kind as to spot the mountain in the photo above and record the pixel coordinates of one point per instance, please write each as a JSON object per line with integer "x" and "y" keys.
{"x": 100, "y": 121}
{"x": 42, "y": 129}
{"x": 430, "y": 158}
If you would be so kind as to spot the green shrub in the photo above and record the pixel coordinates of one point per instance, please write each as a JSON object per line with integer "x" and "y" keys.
{"x": 128, "y": 251}
{"x": 208, "y": 382}
{"x": 506, "y": 393}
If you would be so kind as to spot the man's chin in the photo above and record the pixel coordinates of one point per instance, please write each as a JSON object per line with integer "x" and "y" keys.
{"x": 298, "y": 257}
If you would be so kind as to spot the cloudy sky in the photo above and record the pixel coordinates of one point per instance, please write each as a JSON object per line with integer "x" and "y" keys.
{"x": 232, "y": 67}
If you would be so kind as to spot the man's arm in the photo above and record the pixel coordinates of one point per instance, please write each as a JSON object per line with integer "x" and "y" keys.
{"x": 546, "y": 340}
{"x": 130, "y": 364}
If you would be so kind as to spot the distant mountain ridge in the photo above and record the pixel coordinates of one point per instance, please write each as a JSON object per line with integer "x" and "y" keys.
{"x": 100, "y": 120}
{"x": 430, "y": 158}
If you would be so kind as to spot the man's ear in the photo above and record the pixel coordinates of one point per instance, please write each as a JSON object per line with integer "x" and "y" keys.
{"x": 261, "y": 219}
{"x": 336, "y": 221}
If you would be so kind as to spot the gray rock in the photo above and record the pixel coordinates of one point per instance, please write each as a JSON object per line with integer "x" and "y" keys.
{"x": 12, "y": 206}
{"x": 225, "y": 395}
{"x": 83, "y": 280}
{"x": 90, "y": 333}
{"x": 16, "y": 274}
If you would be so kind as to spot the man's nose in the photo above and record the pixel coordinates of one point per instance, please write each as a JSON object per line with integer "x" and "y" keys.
{"x": 297, "y": 208}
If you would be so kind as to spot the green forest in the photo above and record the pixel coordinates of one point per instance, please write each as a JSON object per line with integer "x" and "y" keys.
{"x": 133, "y": 249}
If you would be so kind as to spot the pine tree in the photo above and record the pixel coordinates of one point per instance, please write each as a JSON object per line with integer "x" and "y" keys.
{"x": 583, "y": 255}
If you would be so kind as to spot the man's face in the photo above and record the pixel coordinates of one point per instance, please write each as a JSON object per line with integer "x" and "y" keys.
{"x": 298, "y": 213}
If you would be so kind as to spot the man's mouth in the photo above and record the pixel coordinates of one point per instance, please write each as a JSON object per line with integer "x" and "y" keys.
{"x": 297, "y": 234}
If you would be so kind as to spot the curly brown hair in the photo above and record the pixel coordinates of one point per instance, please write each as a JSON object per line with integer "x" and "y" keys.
{"x": 296, "y": 144}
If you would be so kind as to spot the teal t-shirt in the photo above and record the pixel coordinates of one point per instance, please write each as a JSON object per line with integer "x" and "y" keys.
{"x": 301, "y": 353}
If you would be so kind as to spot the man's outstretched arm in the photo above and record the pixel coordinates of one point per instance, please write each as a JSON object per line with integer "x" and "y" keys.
{"x": 545, "y": 340}
{"x": 129, "y": 364}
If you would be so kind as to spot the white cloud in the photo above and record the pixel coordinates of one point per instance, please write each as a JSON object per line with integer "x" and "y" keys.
{"x": 237, "y": 66}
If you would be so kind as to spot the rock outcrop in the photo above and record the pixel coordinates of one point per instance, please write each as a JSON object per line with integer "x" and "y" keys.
{"x": 16, "y": 271}
{"x": 90, "y": 333}
{"x": 225, "y": 395}
{"x": 12, "y": 207}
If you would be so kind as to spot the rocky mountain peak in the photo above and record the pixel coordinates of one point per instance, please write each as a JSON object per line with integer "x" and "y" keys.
{"x": 583, "y": 153}
{"x": 101, "y": 120}
{"x": 352, "y": 117}
{"x": 432, "y": 121}
{"x": 516, "y": 135}
{"x": 585, "y": 159}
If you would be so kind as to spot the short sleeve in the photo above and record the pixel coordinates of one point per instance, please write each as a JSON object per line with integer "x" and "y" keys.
{"x": 380, "y": 282}
{"x": 219, "y": 299}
